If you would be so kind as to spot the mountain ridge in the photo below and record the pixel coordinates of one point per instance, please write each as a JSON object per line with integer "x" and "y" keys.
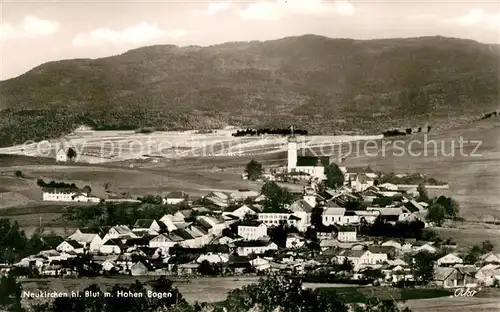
{"x": 326, "y": 85}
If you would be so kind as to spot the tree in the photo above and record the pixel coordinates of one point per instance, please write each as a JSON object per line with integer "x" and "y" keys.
{"x": 19, "y": 174}
{"x": 334, "y": 176}
{"x": 87, "y": 189}
{"x": 71, "y": 154}
{"x": 436, "y": 213}
{"x": 422, "y": 267}
{"x": 276, "y": 196}
{"x": 254, "y": 170}
{"x": 422, "y": 193}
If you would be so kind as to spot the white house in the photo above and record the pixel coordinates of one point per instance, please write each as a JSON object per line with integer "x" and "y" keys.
{"x": 174, "y": 198}
{"x": 165, "y": 241}
{"x": 217, "y": 224}
{"x": 61, "y": 155}
{"x": 333, "y": 215}
{"x": 252, "y": 230}
{"x": 255, "y": 247}
{"x": 60, "y": 194}
{"x": 89, "y": 238}
{"x": 392, "y": 243}
{"x": 146, "y": 225}
{"x": 425, "y": 247}
{"x": 260, "y": 264}
{"x": 449, "y": 260}
{"x": 302, "y": 210}
{"x": 488, "y": 274}
{"x": 70, "y": 245}
{"x": 347, "y": 234}
{"x": 119, "y": 231}
{"x": 273, "y": 218}
{"x": 367, "y": 215}
{"x": 490, "y": 257}
{"x": 110, "y": 247}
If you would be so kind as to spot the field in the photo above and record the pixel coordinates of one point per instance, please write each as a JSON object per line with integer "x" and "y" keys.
{"x": 200, "y": 163}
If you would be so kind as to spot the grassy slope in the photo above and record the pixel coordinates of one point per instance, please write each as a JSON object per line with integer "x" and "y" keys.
{"x": 323, "y": 84}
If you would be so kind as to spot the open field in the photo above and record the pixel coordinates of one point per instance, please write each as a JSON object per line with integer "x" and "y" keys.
{"x": 454, "y": 304}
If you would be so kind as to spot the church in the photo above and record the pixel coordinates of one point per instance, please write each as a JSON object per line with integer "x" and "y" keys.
{"x": 312, "y": 165}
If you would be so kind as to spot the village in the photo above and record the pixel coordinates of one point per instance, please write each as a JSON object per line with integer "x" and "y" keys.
{"x": 317, "y": 233}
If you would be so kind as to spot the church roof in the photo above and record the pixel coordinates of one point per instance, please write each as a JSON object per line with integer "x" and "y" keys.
{"x": 311, "y": 161}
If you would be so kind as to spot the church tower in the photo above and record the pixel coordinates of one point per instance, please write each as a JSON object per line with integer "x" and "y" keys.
{"x": 292, "y": 151}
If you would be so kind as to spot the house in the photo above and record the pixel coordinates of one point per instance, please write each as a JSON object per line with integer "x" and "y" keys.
{"x": 70, "y": 245}
{"x": 347, "y": 234}
{"x": 245, "y": 248}
{"x": 273, "y": 218}
{"x": 239, "y": 212}
{"x": 61, "y": 155}
{"x": 392, "y": 243}
{"x": 171, "y": 222}
{"x": 183, "y": 214}
{"x": 490, "y": 257}
{"x": 449, "y": 260}
{"x": 119, "y": 231}
{"x": 146, "y": 225}
{"x": 109, "y": 265}
{"x": 90, "y": 238}
{"x": 303, "y": 210}
{"x": 260, "y": 264}
{"x": 216, "y": 225}
{"x": 453, "y": 277}
{"x": 333, "y": 215}
{"x": 174, "y": 198}
{"x": 488, "y": 274}
{"x": 138, "y": 269}
{"x": 368, "y": 216}
{"x": 61, "y": 194}
{"x": 111, "y": 247}
{"x": 165, "y": 241}
{"x": 427, "y": 247}
{"x": 218, "y": 199}
{"x": 252, "y": 230}
{"x": 381, "y": 254}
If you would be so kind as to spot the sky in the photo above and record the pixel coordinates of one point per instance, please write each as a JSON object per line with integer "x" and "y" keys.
{"x": 33, "y": 32}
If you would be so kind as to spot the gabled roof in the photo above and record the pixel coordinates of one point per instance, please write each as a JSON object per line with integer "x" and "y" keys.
{"x": 52, "y": 241}
{"x": 74, "y": 244}
{"x": 330, "y": 211}
{"x": 300, "y": 205}
{"x": 178, "y": 194}
{"x": 143, "y": 223}
{"x": 311, "y": 161}
{"x": 186, "y": 212}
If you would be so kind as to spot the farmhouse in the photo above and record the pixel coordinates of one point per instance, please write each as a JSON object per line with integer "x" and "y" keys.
{"x": 254, "y": 247}
{"x": 61, "y": 194}
{"x": 453, "y": 277}
{"x": 149, "y": 226}
{"x": 449, "y": 260}
{"x": 90, "y": 238}
{"x": 176, "y": 198}
{"x": 70, "y": 245}
{"x": 239, "y": 212}
{"x": 252, "y": 230}
{"x": 347, "y": 234}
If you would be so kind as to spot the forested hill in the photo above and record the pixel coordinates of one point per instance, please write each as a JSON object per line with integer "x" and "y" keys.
{"x": 320, "y": 84}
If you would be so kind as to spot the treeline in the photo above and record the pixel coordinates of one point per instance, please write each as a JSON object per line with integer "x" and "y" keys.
{"x": 407, "y": 131}
{"x": 54, "y": 184}
{"x": 489, "y": 115}
{"x": 111, "y": 214}
{"x": 379, "y": 228}
{"x": 15, "y": 245}
{"x": 409, "y": 179}
{"x": 254, "y": 132}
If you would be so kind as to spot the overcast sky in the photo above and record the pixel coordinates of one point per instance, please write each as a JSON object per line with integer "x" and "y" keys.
{"x": 34, "y": 32}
